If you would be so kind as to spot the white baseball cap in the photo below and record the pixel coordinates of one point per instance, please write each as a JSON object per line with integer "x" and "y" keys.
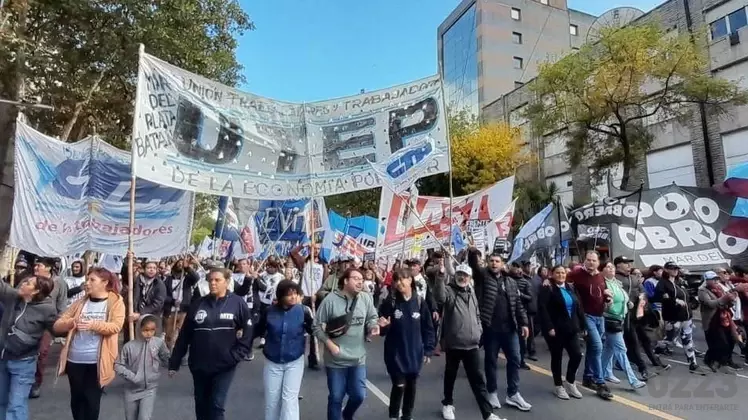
{"x": 464, "y": 268}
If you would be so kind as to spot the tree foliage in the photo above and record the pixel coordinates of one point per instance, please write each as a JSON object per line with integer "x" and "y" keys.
{"x": 482, "y": 154}
{"x": 605, "y": 93}
{"x": 202, "y": 228}
{"x": 358, "y": 203}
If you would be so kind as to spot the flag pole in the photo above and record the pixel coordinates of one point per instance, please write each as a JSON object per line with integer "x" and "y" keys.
{"x": 449, "y": 152}
{"x": 130, "y": 239}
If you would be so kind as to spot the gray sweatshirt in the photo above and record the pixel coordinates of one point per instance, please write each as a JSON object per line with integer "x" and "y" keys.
{"x": 352, "y": 343}
{"x": 59, "y": 294}
{"x": 461, "y": 326}
{"x": 139, "y": 363}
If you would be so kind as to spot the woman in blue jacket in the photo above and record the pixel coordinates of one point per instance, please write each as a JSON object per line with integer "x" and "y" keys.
{"x": 283, "y": 325}
{"x": 405, "y": 321}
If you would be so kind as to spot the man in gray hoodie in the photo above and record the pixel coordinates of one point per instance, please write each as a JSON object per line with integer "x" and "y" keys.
{"x": 461, "y": 336}
{"x": 139, "y": 364}
{"x": 344, "y": 320}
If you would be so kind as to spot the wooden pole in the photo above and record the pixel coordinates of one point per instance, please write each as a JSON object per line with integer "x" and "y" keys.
{"x": 130, "y": 239}
{"x": 12, "y": 272}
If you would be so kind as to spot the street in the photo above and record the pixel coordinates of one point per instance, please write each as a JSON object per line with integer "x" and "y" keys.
{"x": 677, "y": 394}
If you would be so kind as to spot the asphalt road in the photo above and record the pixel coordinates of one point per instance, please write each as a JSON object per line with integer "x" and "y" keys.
{"x": 677, "y": 394}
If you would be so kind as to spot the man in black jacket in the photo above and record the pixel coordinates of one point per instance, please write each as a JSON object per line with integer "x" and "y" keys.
{"x": 179, "y": 284}
{"x": 528, "y": 302}
{"x": 504, "y": 320}
{"x": 532, "y": 309}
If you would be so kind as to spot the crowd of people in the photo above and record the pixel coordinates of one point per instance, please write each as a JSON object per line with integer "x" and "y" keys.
{"x": 208, "y": 316}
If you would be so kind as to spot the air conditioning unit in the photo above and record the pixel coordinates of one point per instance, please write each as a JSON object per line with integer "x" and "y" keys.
{"x": 734, "y": 38}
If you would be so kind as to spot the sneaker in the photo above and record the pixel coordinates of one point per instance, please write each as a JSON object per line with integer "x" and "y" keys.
{"x": 613, "y": 380}
{"x": 35, "y": 392}
{"x": 587, "y": 383}
{"x": 448, "y": 412}
{"x": 646, "y": 375}
{"x": 493, "y": 399}
{"x": 494, "y": 417}
{"x": 524, "y": 366}
{"x": 604, "y": 392}
{"x": 660, "y": 364}
{"x": 696, "y": 369}
{"x": 249, "y": 357}
{"x": 734, "y": 366}
{"x": 560, "y": 392}
{"x": 532, "y": 357}
{"x": 517, "y": 402}
{"x": 638, "y": 385}
{"x": 713, "y": 366}
{"x": 572, "y": 390}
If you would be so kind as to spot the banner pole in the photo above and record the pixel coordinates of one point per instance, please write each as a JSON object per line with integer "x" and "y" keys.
{"x": 130, "y": 239}
{"x": 636, "y": 222}
{"x": 12, "y": 271}
{"x": 449, "y": 153}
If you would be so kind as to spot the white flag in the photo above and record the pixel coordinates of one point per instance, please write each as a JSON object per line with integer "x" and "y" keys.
{"x": 500, "y": 227}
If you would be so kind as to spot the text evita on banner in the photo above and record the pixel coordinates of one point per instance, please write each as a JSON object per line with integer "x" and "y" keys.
{"x": 75, "y": 197}
{"x": 196, "y": 134}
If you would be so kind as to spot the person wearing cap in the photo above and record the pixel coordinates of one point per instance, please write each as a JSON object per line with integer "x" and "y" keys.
{"x": 717, "y": 304}
{"x": 676, "y": 313}
{"x": 504, "y": 322}
{"x": 460, "y": 338}
{"x": 635, "y": 291}
{"x": 45, "y": 267}
{"x": 421, "y": 286}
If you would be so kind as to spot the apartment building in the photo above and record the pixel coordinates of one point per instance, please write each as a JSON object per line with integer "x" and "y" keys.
{"x": 488, "y": 48}
{"x": 697, "y": 152}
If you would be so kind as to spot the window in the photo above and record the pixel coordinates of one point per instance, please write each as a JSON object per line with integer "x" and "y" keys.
{"x": 574, "y": 30}
{"x": 516, "y": 14}
{"x": 718, "y": 28}
{"x": 737, "y": 20}
{"x": 516, "y": 37}
{"x": 518, "y": 85}
{"x": 518, "y": 62}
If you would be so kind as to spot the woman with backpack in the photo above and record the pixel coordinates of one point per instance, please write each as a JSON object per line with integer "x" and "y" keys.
{"x": 405, "y": 321}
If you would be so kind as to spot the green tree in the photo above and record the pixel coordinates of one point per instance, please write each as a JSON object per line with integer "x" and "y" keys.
{"x": 532, "y": 197}
{"x": 81, "y": 57}
{"x": 605, "y": 92}
{"x": 358, "y": 203}
{"x": 203, "y": 228}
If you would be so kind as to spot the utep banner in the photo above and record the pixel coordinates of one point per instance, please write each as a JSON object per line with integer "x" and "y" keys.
{"x": 683, "y": 225}
{"x": 349, "y": 237}
{"x": 195, "y": 134}
{"x": 283, "y": 222}
{"x": 75, "y": 197}
{"x": 469, "y": 212}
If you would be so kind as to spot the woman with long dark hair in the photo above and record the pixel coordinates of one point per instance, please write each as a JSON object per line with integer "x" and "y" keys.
{"x": 405, "y": 320}
{"x": 92, "y": 325}
{"x": 562, "y": 322}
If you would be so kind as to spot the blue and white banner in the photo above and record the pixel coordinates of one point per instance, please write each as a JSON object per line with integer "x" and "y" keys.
{"x": 283, "y": 223}
{"x": 349, "y": 237}
{"x": 401, "y": 170}
{"x": 75, "y": 197}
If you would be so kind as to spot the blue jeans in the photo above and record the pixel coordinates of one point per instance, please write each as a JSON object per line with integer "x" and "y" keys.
{"x": 615, "y": 348}
{"x": 342, "y": 381}
{"x": 509, "y": 344}
{"x": 16, "y": 379}
{"x": 282, "y": 385}
{"x": 211, "y": 390}
{"x": 593, "y": 366}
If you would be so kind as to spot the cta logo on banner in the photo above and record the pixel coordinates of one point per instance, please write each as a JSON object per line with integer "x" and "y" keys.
{"x": 195, "y": 134}
{"x": 398, "y": 224}
{"x": 404, "y": 168}
{"x": 75, "y": 197}
{"x": 683, "y": 225}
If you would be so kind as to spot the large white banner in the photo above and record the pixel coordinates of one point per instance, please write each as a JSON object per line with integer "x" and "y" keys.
{"x": 432, "y": 214}
{"x": 196, "y": 134}
{"x": 75, "y": 197}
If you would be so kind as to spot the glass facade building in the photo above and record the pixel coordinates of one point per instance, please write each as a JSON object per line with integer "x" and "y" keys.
{"x": 460, "y": 63}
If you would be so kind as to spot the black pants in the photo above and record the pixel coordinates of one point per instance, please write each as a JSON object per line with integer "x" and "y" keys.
{"x": 631, "y": 339}
{"x": 471, "y": 361}
{"x": 313, "y": 359}
{"x": 527, "y": 344}
{"x": 403, "y": 393}
{"x": 211, "y": 391}
{"x": 85, "y": 392}
{"x": 720, "y": 343}
{"x": 557, "y": 345}
{"x": 646, "y": 342}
